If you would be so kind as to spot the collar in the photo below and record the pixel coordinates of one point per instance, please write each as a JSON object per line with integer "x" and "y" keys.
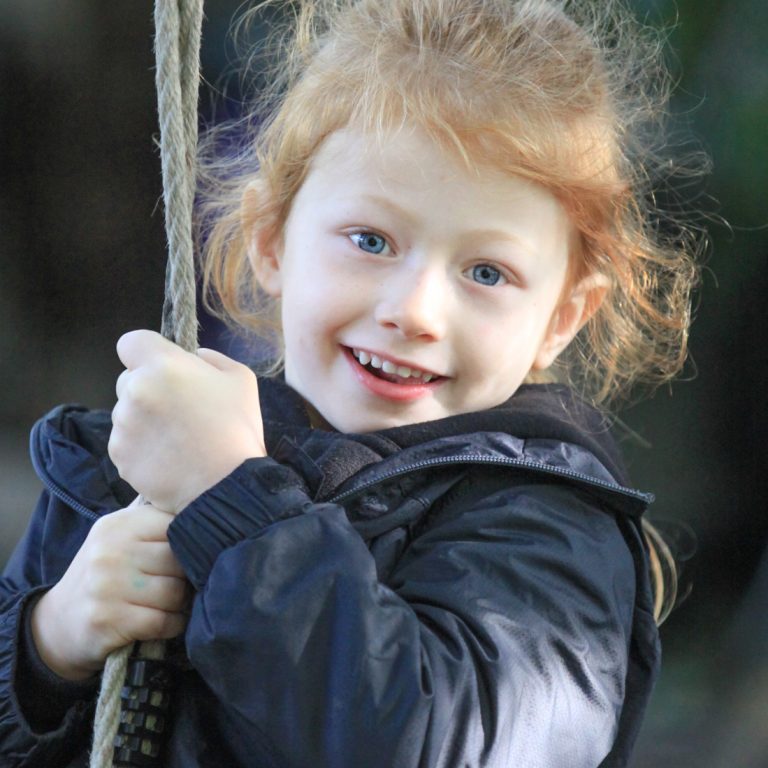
{"x": 534, "y": 412}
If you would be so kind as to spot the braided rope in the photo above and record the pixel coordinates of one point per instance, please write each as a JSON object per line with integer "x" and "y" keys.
{"x": 108, "y": 708}
{"x": 178, "y": 25}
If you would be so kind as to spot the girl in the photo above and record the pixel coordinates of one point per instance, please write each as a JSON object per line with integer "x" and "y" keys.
{"x": 413, "y": 547}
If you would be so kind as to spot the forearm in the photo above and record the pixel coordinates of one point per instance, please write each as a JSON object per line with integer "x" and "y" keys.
{"x": 43, "y": 627}
{"x": 297, "y": 638}
{"x": 44, "y": 719}
{"x": 45, "y": 695}
{"x": 291, "y": 628}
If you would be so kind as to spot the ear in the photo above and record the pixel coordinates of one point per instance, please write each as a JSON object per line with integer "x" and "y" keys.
{"x": 570, "y": 316}
{"x": 263, "y": 244}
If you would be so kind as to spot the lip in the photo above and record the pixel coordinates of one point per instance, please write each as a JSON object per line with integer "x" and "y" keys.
{"x": 389, "y": 390}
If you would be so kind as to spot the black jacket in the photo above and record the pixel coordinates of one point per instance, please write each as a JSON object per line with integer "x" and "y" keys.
{"x": 466, "y": 592}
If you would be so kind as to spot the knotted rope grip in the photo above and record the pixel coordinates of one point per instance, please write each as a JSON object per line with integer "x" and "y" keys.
{"x": 145, "y": 699}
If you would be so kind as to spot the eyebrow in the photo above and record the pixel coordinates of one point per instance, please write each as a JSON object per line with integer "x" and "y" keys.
{"x": 482, "y": 236}
{"x": 393, "y": 207}
{"x": 473, "y": 236}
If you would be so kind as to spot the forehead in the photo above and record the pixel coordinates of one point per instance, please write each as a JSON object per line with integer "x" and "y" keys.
{"x": 408, "y": 161}
{"x": 404, "y": 140}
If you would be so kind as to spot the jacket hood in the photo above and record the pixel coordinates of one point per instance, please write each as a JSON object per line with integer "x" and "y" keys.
{"x": 548, "y": 411}
{"x": 68, "y": 448}
{"x": 541, "y": 428}
{"x": 534, "y": 412}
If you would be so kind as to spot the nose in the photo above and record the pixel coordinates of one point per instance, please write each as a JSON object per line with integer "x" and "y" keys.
{"x": 415, "y": 303}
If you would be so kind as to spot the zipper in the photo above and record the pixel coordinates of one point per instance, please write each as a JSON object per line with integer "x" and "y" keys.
{"x": 54, "y": 489}
{"x": 646, "y": 498}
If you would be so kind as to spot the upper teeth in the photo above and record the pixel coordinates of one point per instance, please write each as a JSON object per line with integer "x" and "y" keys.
{"x": 389, "y": 367}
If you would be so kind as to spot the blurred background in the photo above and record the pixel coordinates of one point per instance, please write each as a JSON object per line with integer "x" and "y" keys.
{"x": 82, "y": 258}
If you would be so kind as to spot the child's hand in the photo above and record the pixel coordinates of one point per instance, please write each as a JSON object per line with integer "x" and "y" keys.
{"x": 182, "y": 421}
{"x": 124, "y": 584}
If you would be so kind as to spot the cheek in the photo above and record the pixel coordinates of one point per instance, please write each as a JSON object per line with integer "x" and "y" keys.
{"x": 312, "y": 318}
{"x": 485, "y": 350}
{"x": 504, "y": 343}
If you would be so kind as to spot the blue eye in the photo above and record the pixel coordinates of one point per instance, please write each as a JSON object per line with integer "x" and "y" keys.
{"x": 369, "y": 242}
{"x": 485, "y": 274}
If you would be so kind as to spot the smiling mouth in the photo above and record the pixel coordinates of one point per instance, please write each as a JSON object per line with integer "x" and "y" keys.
{"x": 391, "y": 371}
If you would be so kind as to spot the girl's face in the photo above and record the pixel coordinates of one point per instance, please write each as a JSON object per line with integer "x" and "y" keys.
{"x": 412, "y": 288}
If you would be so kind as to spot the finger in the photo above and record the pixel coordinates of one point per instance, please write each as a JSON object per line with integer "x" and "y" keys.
{"x": 165, "y": 593}
{"x": 117, "y": 412}
{"x": 152, "y": 522}
{"x": 153, "y": 624}
{"x": 113, "y": 443}
{"x": 143, "y": 522}
{"x": 218, "y": 360}
{"x": 136, "y": 348}
{"x": 155, "y": 558}
{"x": 122, "y": 383}
{"x": 141, "y": 501}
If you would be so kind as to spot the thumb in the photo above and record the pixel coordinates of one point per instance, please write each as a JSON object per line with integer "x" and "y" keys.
{"x": 141, "y": 503}
{"x": 217, "y": 359}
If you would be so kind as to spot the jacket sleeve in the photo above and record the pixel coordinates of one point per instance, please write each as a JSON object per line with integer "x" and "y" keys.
{"x": 44, "y": 720}
{"x": 500, "y": 638}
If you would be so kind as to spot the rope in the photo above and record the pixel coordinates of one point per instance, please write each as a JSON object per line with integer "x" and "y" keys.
{"x": 108, "y": 708}
{"x": 178, "y": 25}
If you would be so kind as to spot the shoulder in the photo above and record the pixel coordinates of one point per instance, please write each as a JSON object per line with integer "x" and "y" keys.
{"x": 537, "y": 571}
{"x": 559, "y": 507}
{"x": 69, "y": 433}
{"x": 75, "y": 423}
{"x": 549, "y": 512}
{"x": 551, "y": 523}
{"x": 68, "y": 449}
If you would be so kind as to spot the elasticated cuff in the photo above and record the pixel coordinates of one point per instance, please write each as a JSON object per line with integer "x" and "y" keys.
{"x": 258, "y": 493}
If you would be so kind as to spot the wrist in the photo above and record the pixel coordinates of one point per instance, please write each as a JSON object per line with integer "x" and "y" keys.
{"x": 218, "y": 471}
{"x": 51, "y": 644}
